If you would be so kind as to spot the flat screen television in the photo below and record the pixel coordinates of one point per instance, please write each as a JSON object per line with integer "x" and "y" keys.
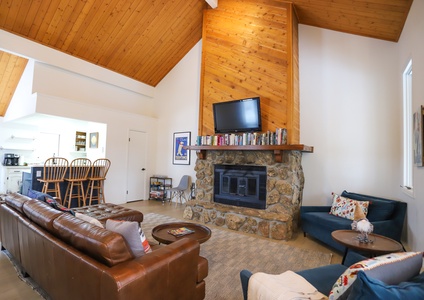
{"x": 242, "y": 115}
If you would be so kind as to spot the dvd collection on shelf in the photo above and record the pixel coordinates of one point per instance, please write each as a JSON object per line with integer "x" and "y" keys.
{"x": 279, "y": 137}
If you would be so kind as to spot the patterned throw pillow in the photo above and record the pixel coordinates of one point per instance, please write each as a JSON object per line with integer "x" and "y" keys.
{"x": 345, "y": 207}
{"x": 391, "y": 268}
{"x": 89, "y": 219}
{"x": 144, "y": 241}
{"x": 58, "y": 206}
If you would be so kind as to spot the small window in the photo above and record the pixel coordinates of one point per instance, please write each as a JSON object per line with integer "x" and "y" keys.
{"x": 407, "y": 131}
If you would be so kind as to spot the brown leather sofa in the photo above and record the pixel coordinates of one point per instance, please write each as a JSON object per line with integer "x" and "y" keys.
{"x": 73, "y": 259}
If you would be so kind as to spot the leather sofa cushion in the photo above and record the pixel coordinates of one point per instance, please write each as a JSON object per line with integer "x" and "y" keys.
{"x": 103, "y": 245}
{"x": 16, "y": 201}
{"x": 41, "y": 213}
{"x": 105, "y": 211}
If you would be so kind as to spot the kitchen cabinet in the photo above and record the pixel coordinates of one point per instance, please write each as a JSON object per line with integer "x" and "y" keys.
{"x": 12, "y": 182}
{"x": 80, "y": 141}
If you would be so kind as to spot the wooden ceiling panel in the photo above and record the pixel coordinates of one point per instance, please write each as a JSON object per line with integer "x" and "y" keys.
{"x": 139, "y": 39}
{"x": 11, "y": 69}
{"x": 145, "y": 39}
{"x": 379, "y": 19}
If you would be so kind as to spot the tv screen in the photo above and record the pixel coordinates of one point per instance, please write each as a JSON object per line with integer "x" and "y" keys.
{"x": 237, "y": 116}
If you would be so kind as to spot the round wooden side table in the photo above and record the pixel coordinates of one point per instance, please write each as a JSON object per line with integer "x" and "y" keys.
{"x": 162, "y": 235}
{"x": 380, "y": 244}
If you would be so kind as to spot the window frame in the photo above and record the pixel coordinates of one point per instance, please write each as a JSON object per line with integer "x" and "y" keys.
{"x": 408, "y": 155}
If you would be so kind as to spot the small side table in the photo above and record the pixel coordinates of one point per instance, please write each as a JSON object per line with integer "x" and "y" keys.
{"x": 201, "y": 232}
{"x": 380, "y": 245}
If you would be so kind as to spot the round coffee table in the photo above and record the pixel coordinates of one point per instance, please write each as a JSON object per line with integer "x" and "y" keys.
{"x": 380, "y": 244}
{"x": 201, "y": 232}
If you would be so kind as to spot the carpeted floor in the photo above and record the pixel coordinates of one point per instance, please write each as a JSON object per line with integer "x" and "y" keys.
{"x": 228, "y": 252}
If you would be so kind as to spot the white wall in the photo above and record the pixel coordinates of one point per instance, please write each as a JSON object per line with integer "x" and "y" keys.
{"x": 23, "y": 102}
{"x": 411, "y": 45}
{"x": 58, "y": 82}
{"x": 351, "y": 112}
{"x": 349, "y": 89}
{"x": 178, "y": 108}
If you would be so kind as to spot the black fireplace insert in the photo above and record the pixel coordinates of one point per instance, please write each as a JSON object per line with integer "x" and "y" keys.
{"x": 240, "y": 185}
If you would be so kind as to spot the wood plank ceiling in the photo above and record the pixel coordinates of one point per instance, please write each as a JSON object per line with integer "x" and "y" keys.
{"x": 11, "y": 70}
{"x": 145, "y": 39}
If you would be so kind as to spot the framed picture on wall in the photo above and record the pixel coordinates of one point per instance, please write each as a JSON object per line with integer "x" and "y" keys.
{"x": 94, "y": 140}
{"x": 418, "y": 124}
{"x": 181, "y": 156}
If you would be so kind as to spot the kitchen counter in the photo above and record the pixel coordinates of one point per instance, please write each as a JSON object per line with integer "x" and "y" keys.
{"x": 30, "y": 181}
{"x": 17, "y": 167}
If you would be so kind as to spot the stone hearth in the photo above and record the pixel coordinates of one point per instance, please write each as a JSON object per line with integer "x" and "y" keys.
{"x": 285, "y": 183}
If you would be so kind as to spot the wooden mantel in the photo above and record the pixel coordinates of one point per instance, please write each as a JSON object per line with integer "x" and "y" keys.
{"x": 201, "y": 150}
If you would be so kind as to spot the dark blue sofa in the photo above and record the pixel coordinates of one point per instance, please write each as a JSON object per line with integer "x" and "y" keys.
{"x": 323, "y": 278}
{"x": 387, "y": 216}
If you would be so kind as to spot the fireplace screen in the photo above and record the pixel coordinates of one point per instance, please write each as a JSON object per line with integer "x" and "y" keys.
{"x": 240, "y": 185}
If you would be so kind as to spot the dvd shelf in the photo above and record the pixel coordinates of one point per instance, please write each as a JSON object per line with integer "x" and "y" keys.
{"x": 279, "y": 137}
{"x": 159, "y": 187}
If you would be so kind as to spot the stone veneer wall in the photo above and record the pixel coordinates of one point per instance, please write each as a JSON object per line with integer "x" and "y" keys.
{"x": 285, "y": 183}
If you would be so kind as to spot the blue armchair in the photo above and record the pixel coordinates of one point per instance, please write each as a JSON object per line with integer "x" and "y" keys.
{"x": 387, "y": 216}
{"x": 392, "y": 279}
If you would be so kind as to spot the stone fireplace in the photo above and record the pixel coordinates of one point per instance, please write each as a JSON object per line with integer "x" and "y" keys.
{"x": 284, "y": 186}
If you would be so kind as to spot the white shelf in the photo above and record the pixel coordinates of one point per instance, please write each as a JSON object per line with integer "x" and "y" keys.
{"x": 13, "y": 137}
{"x": 16, "y": 149}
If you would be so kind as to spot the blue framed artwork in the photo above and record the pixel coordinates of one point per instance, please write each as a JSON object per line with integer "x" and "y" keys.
{"x": 181, "y": 156}
{"x": 418, "y": 123}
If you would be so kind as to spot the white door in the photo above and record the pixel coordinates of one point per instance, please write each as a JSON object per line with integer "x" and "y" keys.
{"x": 136, "y": 174}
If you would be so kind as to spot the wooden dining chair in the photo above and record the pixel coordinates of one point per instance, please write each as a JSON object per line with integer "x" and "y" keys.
{"x": 95, "y": 189}
{"x": 53, "y": 174}
{"x": 78, "y": 174}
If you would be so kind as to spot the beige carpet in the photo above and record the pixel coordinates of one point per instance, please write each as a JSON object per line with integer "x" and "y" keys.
{"x": 228, "y": 252}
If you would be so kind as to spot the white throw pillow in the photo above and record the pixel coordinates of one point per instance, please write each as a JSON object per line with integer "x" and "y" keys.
{"x": 89, "y": 219}
{"x": 284, "y": 286}
{"x": 130, "y": 232}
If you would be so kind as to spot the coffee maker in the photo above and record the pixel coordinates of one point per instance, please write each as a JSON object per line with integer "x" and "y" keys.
{"x": 11, "y": 159}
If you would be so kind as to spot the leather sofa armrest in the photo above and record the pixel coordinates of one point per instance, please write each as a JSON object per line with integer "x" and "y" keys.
{"x": 166, "y": 273}
{"x": 202, "y": 269}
